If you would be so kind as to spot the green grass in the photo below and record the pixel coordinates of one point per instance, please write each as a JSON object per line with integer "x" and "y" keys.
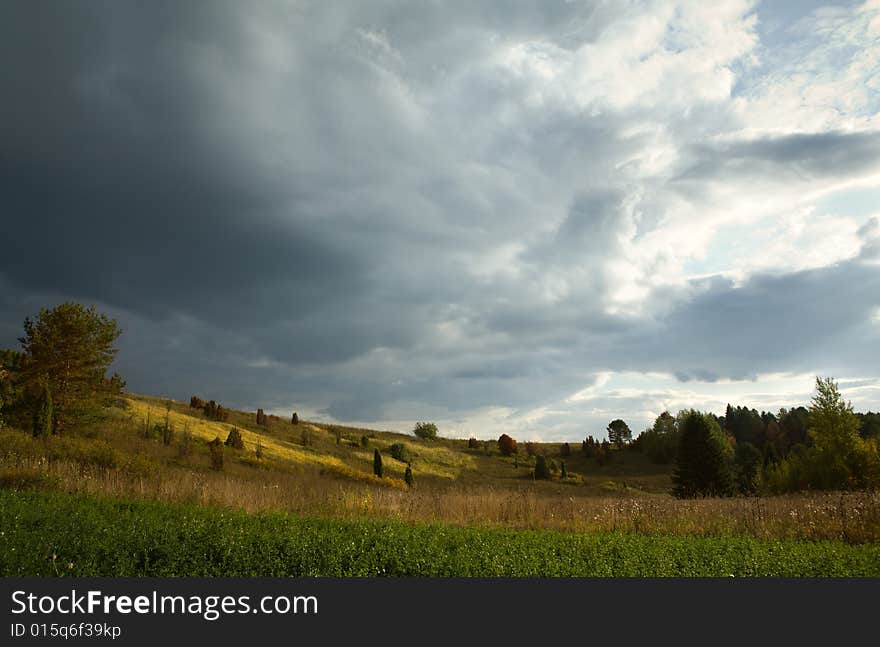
{"x": 44, "y": 534}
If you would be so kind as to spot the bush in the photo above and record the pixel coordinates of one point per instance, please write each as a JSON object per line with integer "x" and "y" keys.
{"x": 408, "y": 476}
{"x": 542, "y": 470}
{"x": 507, "y": 445}
{"x": 425, "y": 430}
{"x": 473, "y": 443}
{"x": 565, "y": 450}
{"x": 294, "y": 419}
{"x": 216, "y": 447}
{"x": 365, "y": 442}
{"x": 399, "y": 452}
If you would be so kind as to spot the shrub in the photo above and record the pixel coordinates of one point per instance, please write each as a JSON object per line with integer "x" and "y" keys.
{"x": 565, "y": 450}
{"x": 261, "y": 418}
{"x": 425, "y": 430}
{"x": 542, "y": 471}
{"x": 365, "y": 442}
{"x": 563, "y": 474}
{"x": 216, "y": 447}
{"x": 294, "y": 419}
{"x": 408, "y": 476}
{"x": 399, "y": 452}
{"x": 258, "y": 452}
{"x": 234, "y": 439}
{"x": 473, "y": 443}
{"x": 506, "y": 445}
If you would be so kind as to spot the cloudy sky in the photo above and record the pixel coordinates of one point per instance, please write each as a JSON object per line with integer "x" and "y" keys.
{"x": 517, "y": 216}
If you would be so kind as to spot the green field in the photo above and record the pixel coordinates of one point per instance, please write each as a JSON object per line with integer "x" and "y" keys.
{"x": 75, "y": 535}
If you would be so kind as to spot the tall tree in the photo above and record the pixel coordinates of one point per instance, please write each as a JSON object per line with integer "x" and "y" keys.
{"x": 702, "y": 468}
{"x": 69, "y": 349}
{"x": 619, "y": 433}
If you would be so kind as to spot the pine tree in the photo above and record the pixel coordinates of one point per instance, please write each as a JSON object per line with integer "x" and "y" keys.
{"x": 702, "y": 468}
{"x": 294, "y": 419}
{"x": 408, "y": 476}
{"x": 69, "y": 348}
{"x": 44, "y": 414}
{"x": 377, "y": 463}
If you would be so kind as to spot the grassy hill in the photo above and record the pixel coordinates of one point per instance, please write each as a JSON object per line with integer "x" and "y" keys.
{"x": 325, "y": 471}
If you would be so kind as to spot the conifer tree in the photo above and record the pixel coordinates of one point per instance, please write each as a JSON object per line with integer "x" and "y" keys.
{"x": 702, "y": 468}
{"x": 408, "y": 475}
{"x": 377, "y": 463}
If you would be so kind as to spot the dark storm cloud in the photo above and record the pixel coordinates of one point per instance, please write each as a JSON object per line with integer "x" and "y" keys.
{"x": 367, "y": 208}
{"x": 796, "y": 157}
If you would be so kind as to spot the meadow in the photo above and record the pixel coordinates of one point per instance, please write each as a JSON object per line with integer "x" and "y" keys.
{"x": 75, "y": 535}
{"x": 161, "y": 503}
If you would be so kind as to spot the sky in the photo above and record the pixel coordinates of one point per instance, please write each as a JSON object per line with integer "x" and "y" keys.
{"x": 501, "y": 216}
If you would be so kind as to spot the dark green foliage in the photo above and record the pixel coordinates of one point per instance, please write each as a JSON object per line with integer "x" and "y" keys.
{"x": 294, "y": 419}
{"x": 660, "y": 442}
{"x": 506, "y": 445}
{"x": 69, "y": 349}
{"x": 425, "y": 430}
{"x": 619, "y": 433}
{"x": 745, "y": 425}
{"x": 43, "y": 416}
{"x": 377, "y": 463}
{"x": 563, "y": 474}
{"x": 234, "y": 439}
{"x": 399, "y": 452}
{"x": 604, "y": 453}
{"x": 869, "y": 424}
{"x": 473, "y": 443}
{"x": 542, "y": 470}
{"x": 748, "y": 461}
{"x": 702, "y": 467}
{"x": 262, "y": 420}
{"x": 565, "y": 450}
{"x": 365, "y": 442}
{"x": 589, "y": 447}
{"x": 216, "y": 448}
{"x": 408, "y": 476}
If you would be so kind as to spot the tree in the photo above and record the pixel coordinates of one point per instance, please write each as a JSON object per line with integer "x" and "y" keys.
{"x": 261, "y": 418}
{"x": 426, "y": 430}
{"x": 377, "y": 463}
{"x": 565, "y": 450}
{"x": 563, "y": 474}
{"x": 43, "y": 416}
{"x": 506, "y": 445}
{"x": 702, "y": 467}
{"x": 748, "y": 461}
{"x": 619, "y": 433}
{"x": 408, "y": 475}
{"x": 69, "y": 349}
{"x": 660, "y": 442}
{"x": 842, "y": 458}
{"x": 542, "y": 470}
{"x": 294, "y": 419}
